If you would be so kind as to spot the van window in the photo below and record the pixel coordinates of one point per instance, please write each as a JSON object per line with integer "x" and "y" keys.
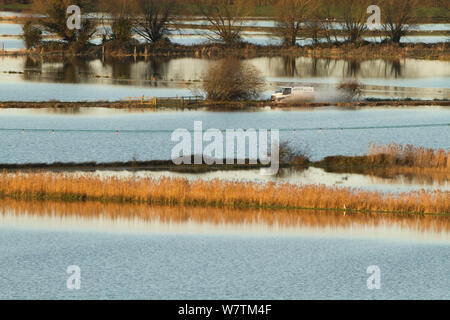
{"x": 287, "y": 91}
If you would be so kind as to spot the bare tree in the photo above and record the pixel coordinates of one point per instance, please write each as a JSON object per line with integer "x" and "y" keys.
{"x": 291, "y": 18}
{"x": 232, "y": 79}
{"x": 444, "y": 4}
{"x": 55, "y": 21}
{"x": 118, "y": 25}
{"x": 398, "y": 16}
{"x": 32, "y": 35}
{"x": 327, "y": 19}
{"x": 225, "y": 18}
{"x": 355, "y": 18}
{"x": 153, "y": 25}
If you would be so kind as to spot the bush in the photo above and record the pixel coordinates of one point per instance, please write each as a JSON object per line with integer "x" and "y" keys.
{"x": 290, "y": 156}
{"x": 32, "y": 35}
{"x": 232, "y": 80}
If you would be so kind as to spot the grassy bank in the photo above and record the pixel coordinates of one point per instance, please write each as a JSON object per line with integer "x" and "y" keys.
{"x": 361, "y": 51}
{"x": 216, "y": 105}
{"x": 216, "y": 193}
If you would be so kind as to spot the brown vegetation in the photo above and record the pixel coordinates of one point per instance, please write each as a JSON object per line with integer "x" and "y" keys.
{"x": 232, "y": 80}
{"x": 392, "y": 160}
{"x": 398, "y": 155}
{"x": 216, "y": 193}
{"x": 135, "y": 105}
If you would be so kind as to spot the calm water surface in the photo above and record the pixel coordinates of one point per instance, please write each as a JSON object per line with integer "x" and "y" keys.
{"x": 147, "y": 259}
{"x": 396, "y": 184}
{"x": 17, "y": 147}
{"x": 29, "y": 79}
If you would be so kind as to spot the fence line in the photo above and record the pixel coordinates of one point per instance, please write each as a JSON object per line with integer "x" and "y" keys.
{"x": 155, "y": 101}
{"x": 293, "y": 130}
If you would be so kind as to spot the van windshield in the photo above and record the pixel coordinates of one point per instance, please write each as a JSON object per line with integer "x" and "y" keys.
{"x": 287, "y": 91}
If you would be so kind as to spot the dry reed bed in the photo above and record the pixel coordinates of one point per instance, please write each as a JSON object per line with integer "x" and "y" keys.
{"x": 408, "y": 155}
{"x": 392, "y": 160}
{"x": 215, "y": 193}
{"x": 219, "y": 216}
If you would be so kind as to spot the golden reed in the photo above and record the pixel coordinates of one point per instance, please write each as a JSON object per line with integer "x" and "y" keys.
{"x": 398, "y": 155}
{"x": 215, "y": 193}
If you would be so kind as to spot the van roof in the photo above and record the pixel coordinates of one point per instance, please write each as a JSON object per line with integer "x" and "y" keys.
{"x": 297, "y": 87}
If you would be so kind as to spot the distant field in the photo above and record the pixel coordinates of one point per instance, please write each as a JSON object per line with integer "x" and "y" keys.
{"x": 424, "y": 12}
{"x": 15, "y": 7}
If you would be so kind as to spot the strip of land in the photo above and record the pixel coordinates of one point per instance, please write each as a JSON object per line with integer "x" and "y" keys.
{"x": 216, "y": 105}
{"x": 357, "y": 51}
{"x": 385, "y": 161}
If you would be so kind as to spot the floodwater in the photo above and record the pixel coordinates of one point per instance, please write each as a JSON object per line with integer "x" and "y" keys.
{"x": 395, "y": 184}
{"x": 29, "y": 79}
{"x": 142, "y": 252}
{"x": 153, "y": 142}
{"x": 128, "y": 251}
{"x": 192, "y": 36}
{"x": 15, "y": 43}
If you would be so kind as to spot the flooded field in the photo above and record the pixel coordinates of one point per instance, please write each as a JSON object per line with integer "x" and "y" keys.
{"x": 145, "y": 253}
{"x": 28, "y": 79}
{"x": 152, "y": 143}
{"x": 369, "y": 182}
{"x": 311, "y": 231}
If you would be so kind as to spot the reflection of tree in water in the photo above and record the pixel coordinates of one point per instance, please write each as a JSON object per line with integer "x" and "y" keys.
{"x": 121, "y": 68}
{"x": 323, "y": 67}
{"x": 32, "y": 68}
{"x": 353, "y": 68}
{"x": 32, "y": 63}
{"x": 290, "y": 66}
{"x": 67, "y": 111}
{"x": 74, "y": 70}
{"x": 155, "y": 69}
{"x": 396, "y": 68}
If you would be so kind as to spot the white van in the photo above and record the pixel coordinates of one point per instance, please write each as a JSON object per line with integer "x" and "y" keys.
{"x": 293, "y": 94}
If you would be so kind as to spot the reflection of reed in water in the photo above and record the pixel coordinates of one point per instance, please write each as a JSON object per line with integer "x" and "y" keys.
{"x": 421, "y": 176}
{"x": 294, "y": 220}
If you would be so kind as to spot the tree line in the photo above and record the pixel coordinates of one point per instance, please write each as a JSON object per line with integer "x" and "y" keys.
{"x": 152, "y": 20}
